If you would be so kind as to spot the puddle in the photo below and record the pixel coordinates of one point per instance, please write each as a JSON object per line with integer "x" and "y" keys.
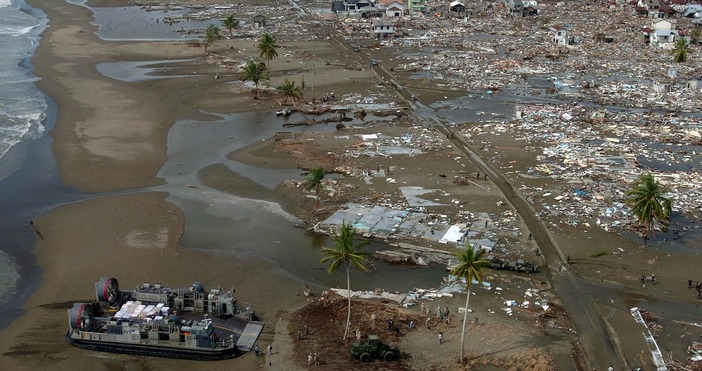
{"x": 140, "y": 70}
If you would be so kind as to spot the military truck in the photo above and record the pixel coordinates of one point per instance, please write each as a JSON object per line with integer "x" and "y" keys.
{"x": 374, "y": 349}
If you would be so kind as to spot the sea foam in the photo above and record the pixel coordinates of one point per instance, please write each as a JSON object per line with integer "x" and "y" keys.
{"x": 22, "y": 105}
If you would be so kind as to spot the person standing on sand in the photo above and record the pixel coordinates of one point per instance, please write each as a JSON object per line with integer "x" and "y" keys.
{"x": 689, "y": 283}
{"x": 309, "y": 359}
{"x": 257, "y": 350}
{"x": 373, "y": 319}
{"x": 270, "y": 349}
{"x": 441, "y": 338}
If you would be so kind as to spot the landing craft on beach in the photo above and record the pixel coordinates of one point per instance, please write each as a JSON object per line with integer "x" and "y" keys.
{"x": 158, "y": 321}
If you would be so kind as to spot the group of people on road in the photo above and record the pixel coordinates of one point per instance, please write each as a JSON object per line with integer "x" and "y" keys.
{"x": 312, "y": 359}
{"x": 257, "y": 350}
{"x": 698, "y": 286}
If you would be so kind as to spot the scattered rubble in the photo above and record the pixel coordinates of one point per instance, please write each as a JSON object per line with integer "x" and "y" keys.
{"x": 594, "y": 161}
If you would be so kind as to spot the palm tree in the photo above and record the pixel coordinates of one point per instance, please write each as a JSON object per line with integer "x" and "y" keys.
{"x": 346, "y": 252}
{"x": 647, "y": 201}
{"x": 254, "y": 71}
{"x": 315, "y": 181}
{"x": 680, "y": 50}
{"x": 470, "y": 265}
{"x": 211, "y": 34}
{"x": 288, "y": 89}
{"x": 230, "y": 23}
{"x": 267, "y": 48}
{"x": 360, "y": 114}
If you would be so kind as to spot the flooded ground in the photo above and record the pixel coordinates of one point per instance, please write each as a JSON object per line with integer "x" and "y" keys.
{"x": 259, "y": 230}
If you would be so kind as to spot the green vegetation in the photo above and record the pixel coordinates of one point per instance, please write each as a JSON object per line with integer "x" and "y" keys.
{"x": 680, "y": 51}
{"x": 648, "y": 202}
{"x": 267, "y": 48}
{"x": 289, "y": 90}
{"x": 347, "y": 253}
{"x": 211, "y": 34}
{"x": 360, "y": 114}
{"x": 599, "y": 253}
{"x": 254, "y": 71}
{"x": 315, "y": 181}
{"x": 230, "y": 23}
{"x": 470, "y": 265}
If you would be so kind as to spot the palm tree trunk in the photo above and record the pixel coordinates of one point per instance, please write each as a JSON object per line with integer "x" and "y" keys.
{"x": 348, "y": 286}
{"x": 465, "y": 317}
{"x": 316, "y": 196}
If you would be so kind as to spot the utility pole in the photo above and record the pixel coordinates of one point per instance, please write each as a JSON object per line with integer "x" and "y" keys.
{"x": 314, "y": 72}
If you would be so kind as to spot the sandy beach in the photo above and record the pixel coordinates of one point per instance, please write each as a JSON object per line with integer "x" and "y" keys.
{"x": 111, "y": 136}
{"x": 111, "y": 140}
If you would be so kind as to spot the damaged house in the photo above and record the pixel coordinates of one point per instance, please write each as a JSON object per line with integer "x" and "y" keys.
{"x": 383, "y": 28}
{"x": 559, "y": 35}
{"x": 392, "y": 8}
{"x": 662, "y": 34}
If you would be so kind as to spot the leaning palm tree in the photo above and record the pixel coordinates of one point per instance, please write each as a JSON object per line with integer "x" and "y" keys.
{"x": 470, "y": 265}
{"x": 315, "y": 181}
{"x": 346, "y": 252}
{"x": 289, "y": 90}
{"x": 680, "y": 50}
{"x": 211, "y": 34}
{"x": 267, "y": 48}
{"x": 648, "y": 202}
{"x": 230, "y": 23}
{"x": 254, "y": 71}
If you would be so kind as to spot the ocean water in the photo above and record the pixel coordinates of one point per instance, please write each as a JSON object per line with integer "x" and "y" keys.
{"x": 22, "y": 105}
{"x": 8, "y": 278}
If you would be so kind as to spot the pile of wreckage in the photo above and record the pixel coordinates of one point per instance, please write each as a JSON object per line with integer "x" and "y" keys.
{"x": 595, "y": 161}
{"x": 602, "y": 61}
{"x": 651, "y": 325}
{"x": 483, "y": 231}
{"x": 534, "y": 301}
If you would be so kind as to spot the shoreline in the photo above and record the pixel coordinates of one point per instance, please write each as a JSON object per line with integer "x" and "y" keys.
{"x": 130, "y": 236}
{"x": 138, "y": 234}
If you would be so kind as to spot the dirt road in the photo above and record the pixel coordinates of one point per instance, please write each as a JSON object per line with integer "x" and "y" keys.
{"x": 599, "y": 349}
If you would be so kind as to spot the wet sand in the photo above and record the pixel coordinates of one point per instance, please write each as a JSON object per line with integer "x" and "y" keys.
{"x": 111, "y": 136}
